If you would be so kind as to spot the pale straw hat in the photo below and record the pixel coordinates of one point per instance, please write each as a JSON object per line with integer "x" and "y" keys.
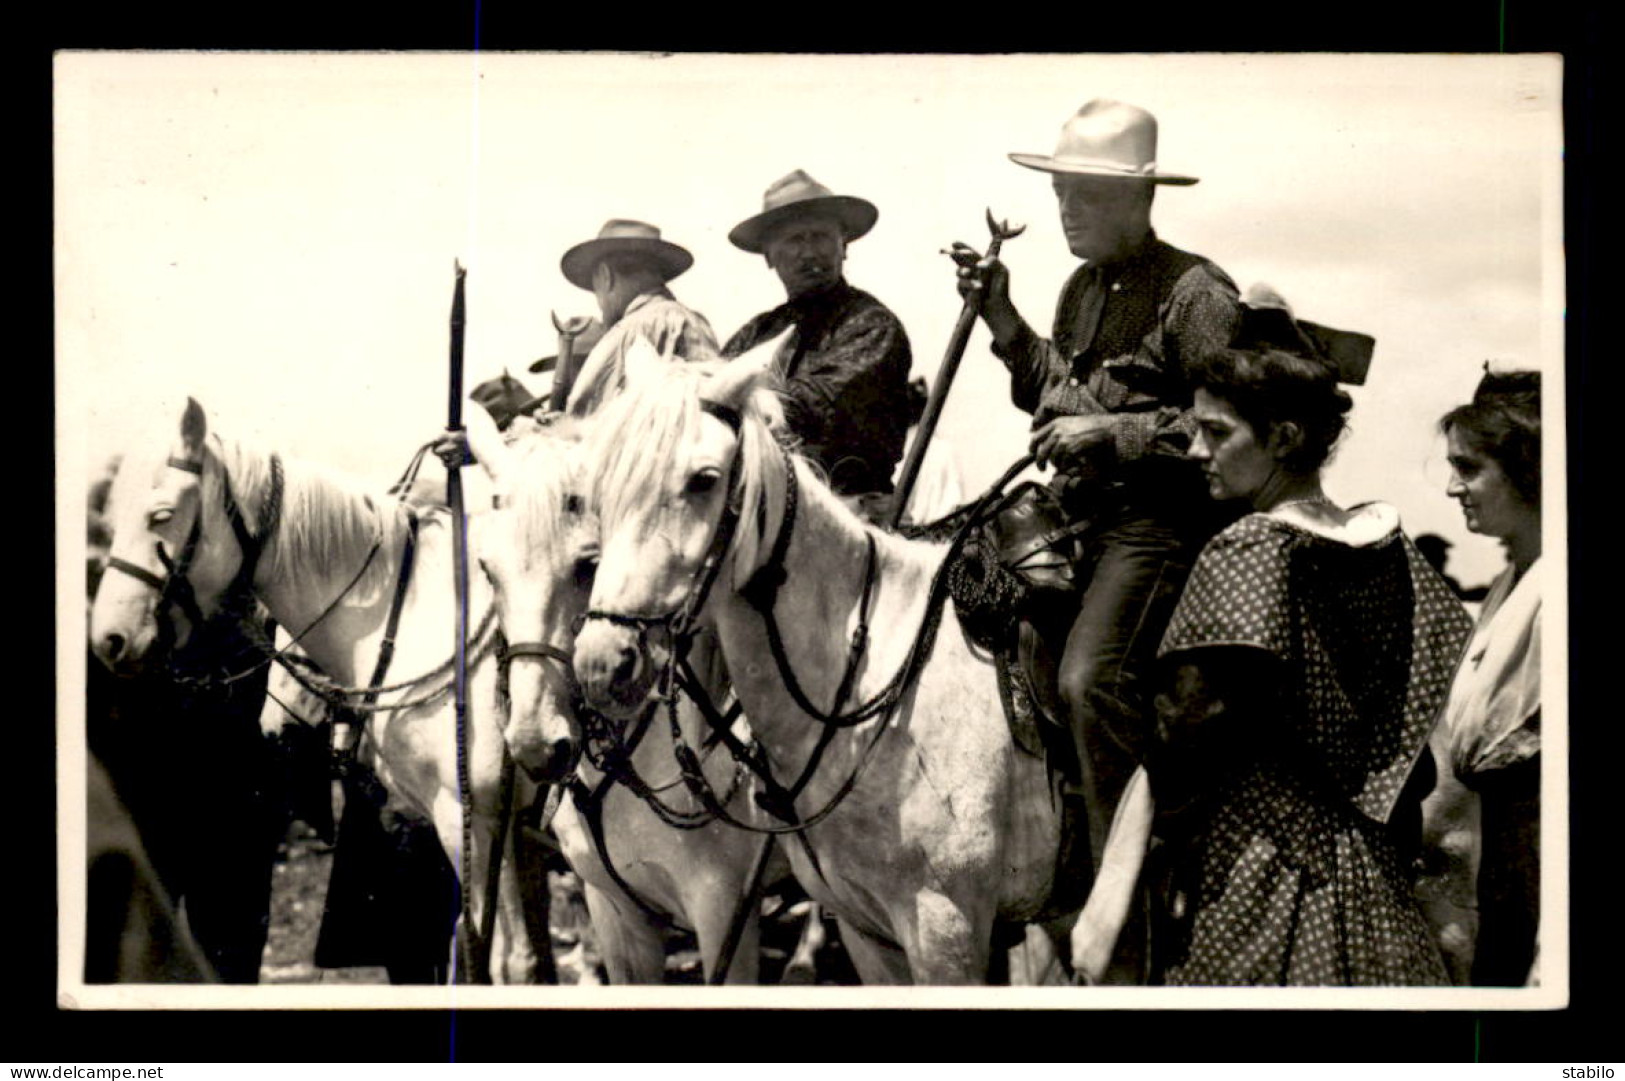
{"x": 1108, "y": 139}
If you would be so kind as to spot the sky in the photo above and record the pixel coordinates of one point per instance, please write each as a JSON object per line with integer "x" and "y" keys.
{"x": 275, "y": 234}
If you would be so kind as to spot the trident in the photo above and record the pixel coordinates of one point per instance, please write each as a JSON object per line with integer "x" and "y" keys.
{"x": 1001, "y": 231}
{"x": 564, "y": 378}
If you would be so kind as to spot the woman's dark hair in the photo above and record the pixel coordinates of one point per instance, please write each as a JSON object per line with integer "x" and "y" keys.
{"x": 1502, "y": 422}
{"x": 1269, "y": 386}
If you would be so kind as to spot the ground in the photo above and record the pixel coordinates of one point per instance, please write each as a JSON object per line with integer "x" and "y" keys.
{"x": 299, "y": 888}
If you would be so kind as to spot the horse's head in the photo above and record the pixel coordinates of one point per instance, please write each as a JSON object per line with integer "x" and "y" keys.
{"x": 674, "y": 458}
{"x": 172, "y": 553}
{"x": 539, "y": 548}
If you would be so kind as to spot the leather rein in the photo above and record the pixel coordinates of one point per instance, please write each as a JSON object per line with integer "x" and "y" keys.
{"x": 761, "y": 592}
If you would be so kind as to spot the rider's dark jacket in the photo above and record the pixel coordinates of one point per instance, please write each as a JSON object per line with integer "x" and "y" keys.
{"x": 845, "y": 373}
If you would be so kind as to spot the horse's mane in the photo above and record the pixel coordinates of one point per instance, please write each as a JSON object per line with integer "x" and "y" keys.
{"x": 636, "y": 433}
{"x": 539, "y": 496}
{"x": 329, "y": 521}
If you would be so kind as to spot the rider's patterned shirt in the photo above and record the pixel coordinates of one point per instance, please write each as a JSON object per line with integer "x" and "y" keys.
{"x": 845, "y": 372}
{"x": 1122, "y": 337}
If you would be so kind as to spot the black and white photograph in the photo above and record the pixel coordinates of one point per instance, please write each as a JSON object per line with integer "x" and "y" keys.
{"x": 597, "y": 530}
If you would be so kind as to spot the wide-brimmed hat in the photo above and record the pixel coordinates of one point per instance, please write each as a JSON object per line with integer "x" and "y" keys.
{"x": 1110, "y": 139}
{"x": 798, "y": 195}
{"x": 618, "y": 236}
{"x": 1267, "y": 322}
{"x": 584, "y": 342}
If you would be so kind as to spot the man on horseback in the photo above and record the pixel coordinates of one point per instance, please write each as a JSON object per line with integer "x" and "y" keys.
{"x": 845, "y": 368}
{"x": 1111, "y": 413}
{"x": 626, "y": 267}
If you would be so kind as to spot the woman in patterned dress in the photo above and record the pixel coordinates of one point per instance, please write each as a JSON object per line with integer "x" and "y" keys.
{"x": 1303, "y": 669}
{"x": 1491, "y": 727}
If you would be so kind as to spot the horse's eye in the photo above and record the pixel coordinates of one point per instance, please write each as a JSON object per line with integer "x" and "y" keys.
{"x": 703, "y": 481}
{"x": 572, "y": 503}
{"x": 159, "y": 516}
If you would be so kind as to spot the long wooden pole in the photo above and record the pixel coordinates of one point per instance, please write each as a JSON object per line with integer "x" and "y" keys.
{"x": 945, "y": 378}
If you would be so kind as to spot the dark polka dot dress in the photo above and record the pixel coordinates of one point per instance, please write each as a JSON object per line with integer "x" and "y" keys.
{"x": 1293, "y": 874}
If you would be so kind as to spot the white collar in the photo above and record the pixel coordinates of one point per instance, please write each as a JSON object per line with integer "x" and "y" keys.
{"x": 1367, "y": 524}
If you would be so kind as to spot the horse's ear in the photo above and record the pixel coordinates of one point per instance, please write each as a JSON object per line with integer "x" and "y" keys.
{"x": 734, "y": 383}
{"x": 486, "y": 443}
{"x": 194, "y": 427}
{"x": 641, "y": 360}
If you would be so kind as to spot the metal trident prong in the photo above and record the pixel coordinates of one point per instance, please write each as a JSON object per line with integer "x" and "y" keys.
{"x": 1002, "y": 231}
{"x": 571, "y": 326}
{"x": 966, "y": 258}
{"x": 564, "y": 378}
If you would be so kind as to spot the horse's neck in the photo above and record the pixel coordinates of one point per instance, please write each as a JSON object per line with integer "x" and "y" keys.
{"x": 816, "y": 611}
{"x": 299, "y": 584}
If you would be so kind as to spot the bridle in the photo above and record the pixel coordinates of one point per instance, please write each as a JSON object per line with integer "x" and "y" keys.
{"x": 679, "y": 676}
{"x": 544, "y": 651}
{"x": 175, "y": 588}
{"x": 680, "y": 622}
{"x": 761, "y": 592}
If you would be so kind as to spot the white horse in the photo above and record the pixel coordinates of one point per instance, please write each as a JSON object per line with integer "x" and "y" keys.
{"x": 930, "y": 826}
{"x": 539, "y": 547}
{"x": 327, "y": 569}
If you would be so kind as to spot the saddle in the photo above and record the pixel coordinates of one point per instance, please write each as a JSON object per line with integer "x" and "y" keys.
{"x": 1015, "y": 588}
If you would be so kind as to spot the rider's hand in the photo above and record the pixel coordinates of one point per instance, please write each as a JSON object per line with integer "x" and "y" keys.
{"x": 452, "y": 448}
{"x": 1066, "y": 440}
{"x": 985, "y": 282}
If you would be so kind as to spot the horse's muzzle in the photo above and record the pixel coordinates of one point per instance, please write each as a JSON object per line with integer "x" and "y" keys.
{"x": 121, "y": 655}
{"x": 612, "y": 668}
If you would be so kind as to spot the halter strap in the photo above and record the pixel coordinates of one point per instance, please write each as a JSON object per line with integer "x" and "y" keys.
{"x": 544, "y": 651}
{"x": 386, "y": 649}
{"x": 680, "y": 620}
{"x": 762, "y": 590}
{"x": 140, "y": 574}
{"x": 535, "y": 649}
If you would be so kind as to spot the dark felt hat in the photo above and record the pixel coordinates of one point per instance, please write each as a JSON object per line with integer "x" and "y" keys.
{"x": 799, "y": 195}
